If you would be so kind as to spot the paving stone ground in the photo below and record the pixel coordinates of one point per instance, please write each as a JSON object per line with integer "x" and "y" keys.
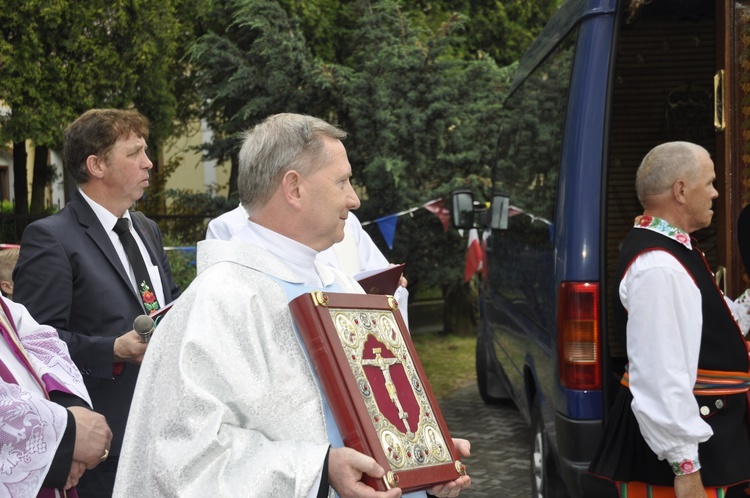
{"x": 499, "y": 464}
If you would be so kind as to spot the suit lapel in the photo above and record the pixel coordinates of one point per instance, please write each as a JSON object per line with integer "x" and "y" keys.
{"x": 87, "y": 218}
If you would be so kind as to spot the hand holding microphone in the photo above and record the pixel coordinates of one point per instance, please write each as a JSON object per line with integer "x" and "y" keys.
{"x": 131, "y": 346}
{"x": 144, "y": 326}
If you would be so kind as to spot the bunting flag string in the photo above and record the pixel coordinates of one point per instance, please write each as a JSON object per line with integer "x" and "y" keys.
{"x": 514, "y": 211}
{"x": 387, "y": 224}
{"x": 437, "y": 207}
{"x": 476, "y": 254}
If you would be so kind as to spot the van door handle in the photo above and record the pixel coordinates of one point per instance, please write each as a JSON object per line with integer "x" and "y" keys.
{"x": 719, "y": 123}
{"x": 721, "y": 278}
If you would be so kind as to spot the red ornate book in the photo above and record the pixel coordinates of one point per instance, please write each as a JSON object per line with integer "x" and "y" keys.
{"x": 383, "y": 281}
{"x": 376, "y": 387}
{"x": 157, "y": 315}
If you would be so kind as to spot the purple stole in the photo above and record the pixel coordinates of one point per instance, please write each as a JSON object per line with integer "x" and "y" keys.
{"x": 16, "y": 348}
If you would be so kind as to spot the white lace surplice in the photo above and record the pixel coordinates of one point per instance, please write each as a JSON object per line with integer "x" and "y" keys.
{"x": 31, "y": 426}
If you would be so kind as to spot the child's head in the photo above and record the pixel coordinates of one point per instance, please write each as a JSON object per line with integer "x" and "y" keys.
{"x": 8, "y": 259}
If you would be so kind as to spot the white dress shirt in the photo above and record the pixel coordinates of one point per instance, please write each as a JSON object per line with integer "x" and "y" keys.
{"x": 664, "y": 331}
{"x": 108, "y": 221}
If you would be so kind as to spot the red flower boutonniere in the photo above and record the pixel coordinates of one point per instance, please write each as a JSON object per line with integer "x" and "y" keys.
{"x": 149, "y": 299}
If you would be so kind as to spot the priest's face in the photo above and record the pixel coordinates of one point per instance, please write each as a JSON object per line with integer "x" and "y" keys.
{"x": 329, "y": 197}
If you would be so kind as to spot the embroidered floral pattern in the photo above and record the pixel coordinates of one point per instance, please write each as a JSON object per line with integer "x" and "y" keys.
{"x": 664, "y": 228}
{"x": 9, "y": 458}
{"x": 50, "y": 356}
{"x": 149, "y": 299}
{"x": 685, "y": 467}
{"x": 30, "y": 426}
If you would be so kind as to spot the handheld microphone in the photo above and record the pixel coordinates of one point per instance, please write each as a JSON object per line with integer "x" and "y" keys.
{"x": 144, "y": 326}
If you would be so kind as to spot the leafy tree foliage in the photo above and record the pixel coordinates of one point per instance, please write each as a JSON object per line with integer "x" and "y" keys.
{"x": 416, "y": 84}
{"x": 324, "y": 24}
{"x": 255, "y": 65}
{"x": 501, "y": 29}
{"x": 59, "y": 58}
{"x": 422, "y": 123}
{"x": 421, "y": 119}
{"x": 410, "y": 82}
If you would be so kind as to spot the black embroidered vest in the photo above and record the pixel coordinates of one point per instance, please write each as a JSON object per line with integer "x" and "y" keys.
{"x": 722, "y": 346}
{"x": 623, "y": 454}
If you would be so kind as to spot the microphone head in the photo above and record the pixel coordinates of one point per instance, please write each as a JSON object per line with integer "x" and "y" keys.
{"x": 144, "y": 326}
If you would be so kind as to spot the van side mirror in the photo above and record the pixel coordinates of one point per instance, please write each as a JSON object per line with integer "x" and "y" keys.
{"x": 462, "y": 209}
{"x": 499, "y": 212}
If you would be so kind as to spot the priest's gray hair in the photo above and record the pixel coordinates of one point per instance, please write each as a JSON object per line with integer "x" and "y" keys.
{"x": 664, "y": 165}
{"x": 280, "y": 143}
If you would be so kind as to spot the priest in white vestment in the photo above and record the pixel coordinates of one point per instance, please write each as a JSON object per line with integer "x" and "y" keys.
{"x": 227, "y": 404}
{"x": 44, "y": 447}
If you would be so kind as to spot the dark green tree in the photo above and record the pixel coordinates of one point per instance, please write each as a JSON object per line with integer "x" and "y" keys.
{"x": 59, "y": 58}
{"x": 257, "y": 65}
{"x": 421, "y": 108}
{"x": 324, "y": 24}
{"x": 500, "y": 29}
{"x": 422, "y": 123}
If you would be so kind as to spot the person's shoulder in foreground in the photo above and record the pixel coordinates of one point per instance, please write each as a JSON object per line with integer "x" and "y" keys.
{"x": 45, "y": 406}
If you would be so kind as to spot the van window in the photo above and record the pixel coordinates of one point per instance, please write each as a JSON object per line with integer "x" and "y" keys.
{"x": 527, "y": 170}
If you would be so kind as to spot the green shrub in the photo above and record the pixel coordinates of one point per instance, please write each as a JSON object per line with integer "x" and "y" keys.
{"x": 181, "y": 260}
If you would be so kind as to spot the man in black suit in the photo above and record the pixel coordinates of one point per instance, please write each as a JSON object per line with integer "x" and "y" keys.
{"x": 76, "y": 275}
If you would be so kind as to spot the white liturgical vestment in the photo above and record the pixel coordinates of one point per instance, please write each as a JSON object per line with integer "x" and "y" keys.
{"x": 227, "y": 404}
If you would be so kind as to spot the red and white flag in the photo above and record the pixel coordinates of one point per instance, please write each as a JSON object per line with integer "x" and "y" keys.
{"x": 473, "y": 255}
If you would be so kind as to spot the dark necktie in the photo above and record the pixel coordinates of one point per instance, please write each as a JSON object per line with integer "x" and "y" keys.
{"x": 143, "y": 282}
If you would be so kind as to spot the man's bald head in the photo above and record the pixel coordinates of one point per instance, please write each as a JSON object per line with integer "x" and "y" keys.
{"x": 664, "y": 165}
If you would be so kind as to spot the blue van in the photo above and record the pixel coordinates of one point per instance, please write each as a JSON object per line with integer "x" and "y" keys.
{"x": 604, "y": 82}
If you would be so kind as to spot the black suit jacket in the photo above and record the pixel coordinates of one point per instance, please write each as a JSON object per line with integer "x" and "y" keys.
{"x": 70, "y": 277}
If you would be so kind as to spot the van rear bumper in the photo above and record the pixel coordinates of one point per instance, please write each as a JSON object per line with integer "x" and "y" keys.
{"x": 577, "y": 441}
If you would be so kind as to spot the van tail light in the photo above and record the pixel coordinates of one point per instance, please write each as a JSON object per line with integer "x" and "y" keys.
{"x": 578, "y": 335}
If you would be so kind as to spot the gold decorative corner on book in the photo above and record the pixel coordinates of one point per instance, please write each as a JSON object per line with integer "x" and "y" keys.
{"x": 391, "y": 479}
{"x": 460, "y": 468}
{"x": 392, "y": 303}
{"x": 319, "y": 298}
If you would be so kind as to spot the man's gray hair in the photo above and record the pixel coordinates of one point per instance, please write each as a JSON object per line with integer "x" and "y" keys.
{"x": 280, "y": 143}
{"x": 664, "y": 165}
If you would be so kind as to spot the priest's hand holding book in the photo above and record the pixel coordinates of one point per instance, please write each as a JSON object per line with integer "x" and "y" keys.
{"x": 347, "y": 466}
